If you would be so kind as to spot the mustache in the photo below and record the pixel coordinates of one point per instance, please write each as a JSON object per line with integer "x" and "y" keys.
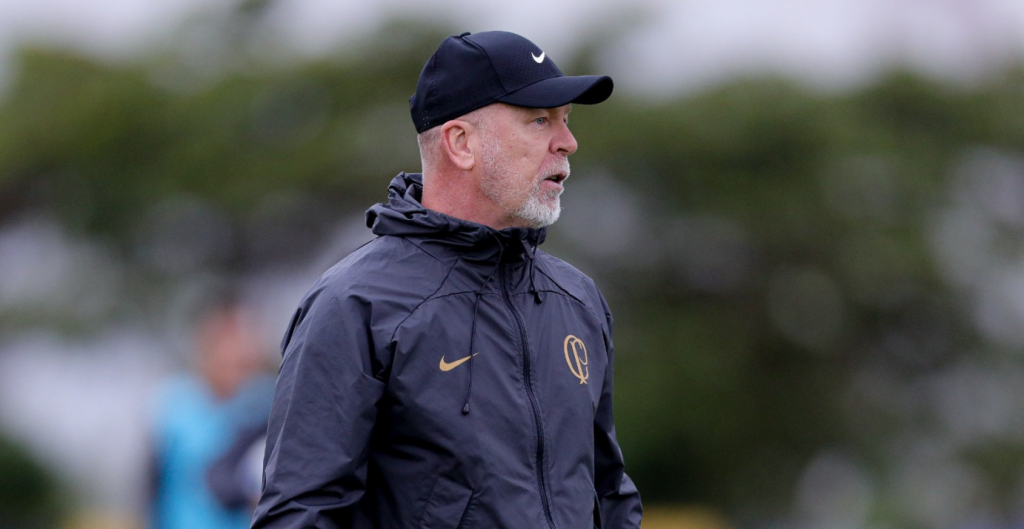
{"x": 561, "y": 166}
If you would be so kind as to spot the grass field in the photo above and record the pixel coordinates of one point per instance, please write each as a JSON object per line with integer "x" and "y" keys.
{"x": 673, "y": 517}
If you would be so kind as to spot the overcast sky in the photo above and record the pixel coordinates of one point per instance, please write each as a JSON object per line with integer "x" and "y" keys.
{"x": 672, "y": 45}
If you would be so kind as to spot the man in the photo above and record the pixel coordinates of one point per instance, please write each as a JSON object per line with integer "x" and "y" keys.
{"x": 448, "y": 374}
{"x": 198, "y": 417}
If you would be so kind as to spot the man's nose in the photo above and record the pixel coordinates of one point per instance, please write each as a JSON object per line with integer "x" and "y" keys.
{"x": 564, "y": 142}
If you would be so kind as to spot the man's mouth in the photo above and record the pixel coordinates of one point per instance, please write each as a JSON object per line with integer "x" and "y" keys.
{"x": 557, "y": 178}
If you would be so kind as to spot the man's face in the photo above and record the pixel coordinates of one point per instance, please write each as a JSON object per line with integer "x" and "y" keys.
{"x": 229, "y": 351}
{"x": 525, "y": 160}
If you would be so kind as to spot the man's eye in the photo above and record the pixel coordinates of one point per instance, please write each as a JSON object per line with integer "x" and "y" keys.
{"x": 541, "y": 121}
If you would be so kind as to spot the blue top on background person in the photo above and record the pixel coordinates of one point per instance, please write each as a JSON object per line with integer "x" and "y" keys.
{"x": 200, "y": 417}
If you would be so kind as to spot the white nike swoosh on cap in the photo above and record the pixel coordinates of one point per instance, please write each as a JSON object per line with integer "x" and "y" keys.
{"x": 537, "y": 59}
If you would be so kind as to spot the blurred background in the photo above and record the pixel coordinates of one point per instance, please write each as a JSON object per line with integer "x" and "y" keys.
{"x": 808, "y": 219}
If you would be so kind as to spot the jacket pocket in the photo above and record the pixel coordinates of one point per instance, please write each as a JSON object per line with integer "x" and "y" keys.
{"x": 445, "y": 505}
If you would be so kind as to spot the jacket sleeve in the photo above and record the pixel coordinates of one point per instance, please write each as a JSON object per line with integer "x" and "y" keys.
{"x": 618, "y": 498}
{"x": 325, "y": 406}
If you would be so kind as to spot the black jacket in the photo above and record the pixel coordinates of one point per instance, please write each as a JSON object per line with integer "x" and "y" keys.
{"x": 446, "y": 375}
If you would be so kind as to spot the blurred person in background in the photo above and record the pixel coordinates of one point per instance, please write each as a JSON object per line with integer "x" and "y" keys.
{"x": 448, "y": 373}
{"x": 206, "y": 423}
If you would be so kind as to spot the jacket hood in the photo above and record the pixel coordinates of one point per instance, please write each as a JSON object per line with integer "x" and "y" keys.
{"x": 404, "y": 216}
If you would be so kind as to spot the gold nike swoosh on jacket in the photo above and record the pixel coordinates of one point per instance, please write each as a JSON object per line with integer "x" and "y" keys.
{"x": 446, "y": 366}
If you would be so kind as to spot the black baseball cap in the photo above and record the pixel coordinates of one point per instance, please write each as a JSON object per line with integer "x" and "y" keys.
{"x": 473, "y": 70}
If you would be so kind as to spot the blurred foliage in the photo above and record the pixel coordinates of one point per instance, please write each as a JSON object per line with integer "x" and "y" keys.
{"x": 28, "y": 493}
{"x": 100, "y": 143}
{"x": 779, "y": 273}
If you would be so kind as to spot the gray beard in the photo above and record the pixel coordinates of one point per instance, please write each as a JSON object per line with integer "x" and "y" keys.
{"x": 536, "y": 214}
{"x": 499, "y": 184}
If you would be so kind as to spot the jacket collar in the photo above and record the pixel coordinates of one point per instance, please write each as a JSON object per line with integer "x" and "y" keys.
{"x": 404, "y": 216}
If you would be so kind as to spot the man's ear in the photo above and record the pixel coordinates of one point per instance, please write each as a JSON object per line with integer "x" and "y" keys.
{"x": 455, "y": 136}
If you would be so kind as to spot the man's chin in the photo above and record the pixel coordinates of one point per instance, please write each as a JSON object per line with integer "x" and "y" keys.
{"x": 539, "y": 219}
{"x": 552, "y": 220}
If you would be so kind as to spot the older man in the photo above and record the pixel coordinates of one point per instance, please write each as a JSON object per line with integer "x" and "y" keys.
{"x": 449, "y": 374}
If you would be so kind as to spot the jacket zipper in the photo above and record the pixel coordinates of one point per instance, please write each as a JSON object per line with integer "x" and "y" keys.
{"x": 534, "y": 403}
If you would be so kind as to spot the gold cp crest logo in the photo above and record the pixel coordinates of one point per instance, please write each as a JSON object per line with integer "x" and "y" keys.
{"x": 576, "y": 357}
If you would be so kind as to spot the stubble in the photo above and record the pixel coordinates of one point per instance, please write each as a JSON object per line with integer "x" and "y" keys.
{"x": 522, "y": 198}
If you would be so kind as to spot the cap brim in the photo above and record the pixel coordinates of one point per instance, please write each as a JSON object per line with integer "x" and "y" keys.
{"x": 557, "y": 91}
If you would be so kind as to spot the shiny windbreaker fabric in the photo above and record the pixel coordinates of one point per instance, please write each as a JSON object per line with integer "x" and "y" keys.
{"x": 446, "y": 375}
